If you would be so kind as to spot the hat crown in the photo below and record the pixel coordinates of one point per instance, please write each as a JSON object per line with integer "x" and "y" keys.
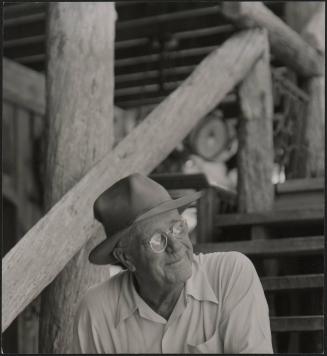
{"x": 120, "y": 205}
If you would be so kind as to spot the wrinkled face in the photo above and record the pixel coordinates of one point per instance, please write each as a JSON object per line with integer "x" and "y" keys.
{"x": 174, "y": 264}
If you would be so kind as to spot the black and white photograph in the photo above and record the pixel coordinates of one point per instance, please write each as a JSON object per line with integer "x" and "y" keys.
{"x": 163, "y": 177}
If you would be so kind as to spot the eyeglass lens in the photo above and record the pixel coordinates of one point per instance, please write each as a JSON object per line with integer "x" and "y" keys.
{"x": 158, "y": 241}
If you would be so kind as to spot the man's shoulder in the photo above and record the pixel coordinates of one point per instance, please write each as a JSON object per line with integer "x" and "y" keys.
{"x": 220, "y": 267}
{"x": 102, "y": 294}
{"x": 225, "y": 260}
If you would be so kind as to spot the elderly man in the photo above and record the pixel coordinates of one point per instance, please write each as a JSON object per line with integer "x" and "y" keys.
{"x": 166, "y": 300}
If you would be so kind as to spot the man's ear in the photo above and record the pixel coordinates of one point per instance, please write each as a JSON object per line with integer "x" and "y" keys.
{"x": 121, "y": 256}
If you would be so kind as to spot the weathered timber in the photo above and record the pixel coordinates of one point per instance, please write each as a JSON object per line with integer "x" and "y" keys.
{"x": 80, "y": 131}
{"x": 48, "y": 246}
{"x": 296, "y": 323}
{"x": 255, "y": 135}
{"x": 314, "y": 138}
{"x": 286, "y": 44}
{"x": 267, "y": 248}
{"x": 293, "y": 282}
{"x": 270, "y": 218}
{"x": 24, "y": 86}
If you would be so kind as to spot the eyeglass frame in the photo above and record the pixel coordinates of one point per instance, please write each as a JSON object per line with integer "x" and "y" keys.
{"x": 167, "y": 233}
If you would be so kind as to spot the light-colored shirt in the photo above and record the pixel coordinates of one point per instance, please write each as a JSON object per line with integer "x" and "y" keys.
{"x": 222, "y": 309}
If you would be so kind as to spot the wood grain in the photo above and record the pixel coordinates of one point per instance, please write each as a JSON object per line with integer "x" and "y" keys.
{"x": 286, "y": 44}
{"x": 79, "y": 132}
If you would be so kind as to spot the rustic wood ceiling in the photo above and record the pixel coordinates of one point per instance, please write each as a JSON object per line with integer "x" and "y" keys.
{"x": 157, "y": 44}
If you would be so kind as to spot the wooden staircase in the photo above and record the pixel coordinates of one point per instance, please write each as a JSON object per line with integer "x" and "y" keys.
{"x": 296, "y": 237}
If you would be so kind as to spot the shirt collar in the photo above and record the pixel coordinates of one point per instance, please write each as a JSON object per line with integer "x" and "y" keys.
{"x": 197, "y": 286}
{"x": 126, "y": 302}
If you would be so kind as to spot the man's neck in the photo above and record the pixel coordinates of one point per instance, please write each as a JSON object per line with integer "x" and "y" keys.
{"x": 161, "y": 300}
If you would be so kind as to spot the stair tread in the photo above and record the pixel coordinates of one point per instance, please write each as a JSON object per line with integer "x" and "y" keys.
{"x": 291, "y": 245}
{"x": 287, "y": 282}
{"x": 270, "y": 217}
{"x": 297, "y": 323}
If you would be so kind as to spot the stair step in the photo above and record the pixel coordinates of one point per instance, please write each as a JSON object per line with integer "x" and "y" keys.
{"x": 296, "y": 323}
{"x": 286, "y": 246}
{"x": 301, "y": 185}
{"x": 293, "y": 282}
{"x": 270, "y": 218}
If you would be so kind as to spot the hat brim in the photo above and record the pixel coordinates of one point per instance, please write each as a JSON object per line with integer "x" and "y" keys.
{"x": 101, "y": 254}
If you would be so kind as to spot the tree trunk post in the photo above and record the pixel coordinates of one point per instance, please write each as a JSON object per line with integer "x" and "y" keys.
{"x": 256, "y": 150}
{"x": 80, "y": 85}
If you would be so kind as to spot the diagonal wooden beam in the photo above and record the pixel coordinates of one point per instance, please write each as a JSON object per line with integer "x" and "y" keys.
{"x": 45, "y": 250}
{"x": 286, "y": 44}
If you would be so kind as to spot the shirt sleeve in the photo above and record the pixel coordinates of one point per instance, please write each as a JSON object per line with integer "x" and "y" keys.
{"x": 244, "y": 324}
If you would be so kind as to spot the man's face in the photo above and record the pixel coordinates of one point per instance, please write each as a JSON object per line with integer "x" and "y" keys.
{"x": 174, "y": 264}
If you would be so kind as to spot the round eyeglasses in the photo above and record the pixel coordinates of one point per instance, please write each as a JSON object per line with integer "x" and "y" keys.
{"x": 158, "y": 241}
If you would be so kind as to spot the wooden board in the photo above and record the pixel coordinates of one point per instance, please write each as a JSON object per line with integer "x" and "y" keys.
{"x": 271, "y": 217}
{"x": 296, "y": 323}
{"x": 301, "y": 185}
{"x": 23, "y": 86}
{"x": 263, "y": 248}
{"x": 44, "y": 251}
{"x": 293, "y": 282}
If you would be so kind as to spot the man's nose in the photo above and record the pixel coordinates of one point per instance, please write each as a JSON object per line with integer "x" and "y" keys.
{"x": 173, "y": 244}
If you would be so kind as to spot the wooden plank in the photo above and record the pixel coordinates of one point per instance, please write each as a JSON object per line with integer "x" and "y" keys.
{"x": 301, "y": 185}
{"x": 173, "y": 55}
{"x": 313, "y": 200}
{"x": 23, "y": 86}
{"x": 24, "y": 20}
{"x": 293, "y": 282}
{"x": 23, "y": 41}
{"x": 181, "y": 181}
{"x": 286, "y": 44}
{"x": 133, "y": 24}
{"x": 296, "y": 323}
{"x": 263, "y": 248}
{"x": 44, "y": 251}
{"x": 270, "y": 218}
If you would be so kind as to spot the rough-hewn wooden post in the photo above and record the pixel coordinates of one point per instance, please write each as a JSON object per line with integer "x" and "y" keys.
{"x": 314, "y": 138}
{"x": 80, "y": 84}
{"x": 256, "y": 151}
{"x": 256, "y": 155}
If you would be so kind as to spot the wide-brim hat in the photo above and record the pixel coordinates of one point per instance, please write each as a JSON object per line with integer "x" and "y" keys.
{"x": 130, "y": 200}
